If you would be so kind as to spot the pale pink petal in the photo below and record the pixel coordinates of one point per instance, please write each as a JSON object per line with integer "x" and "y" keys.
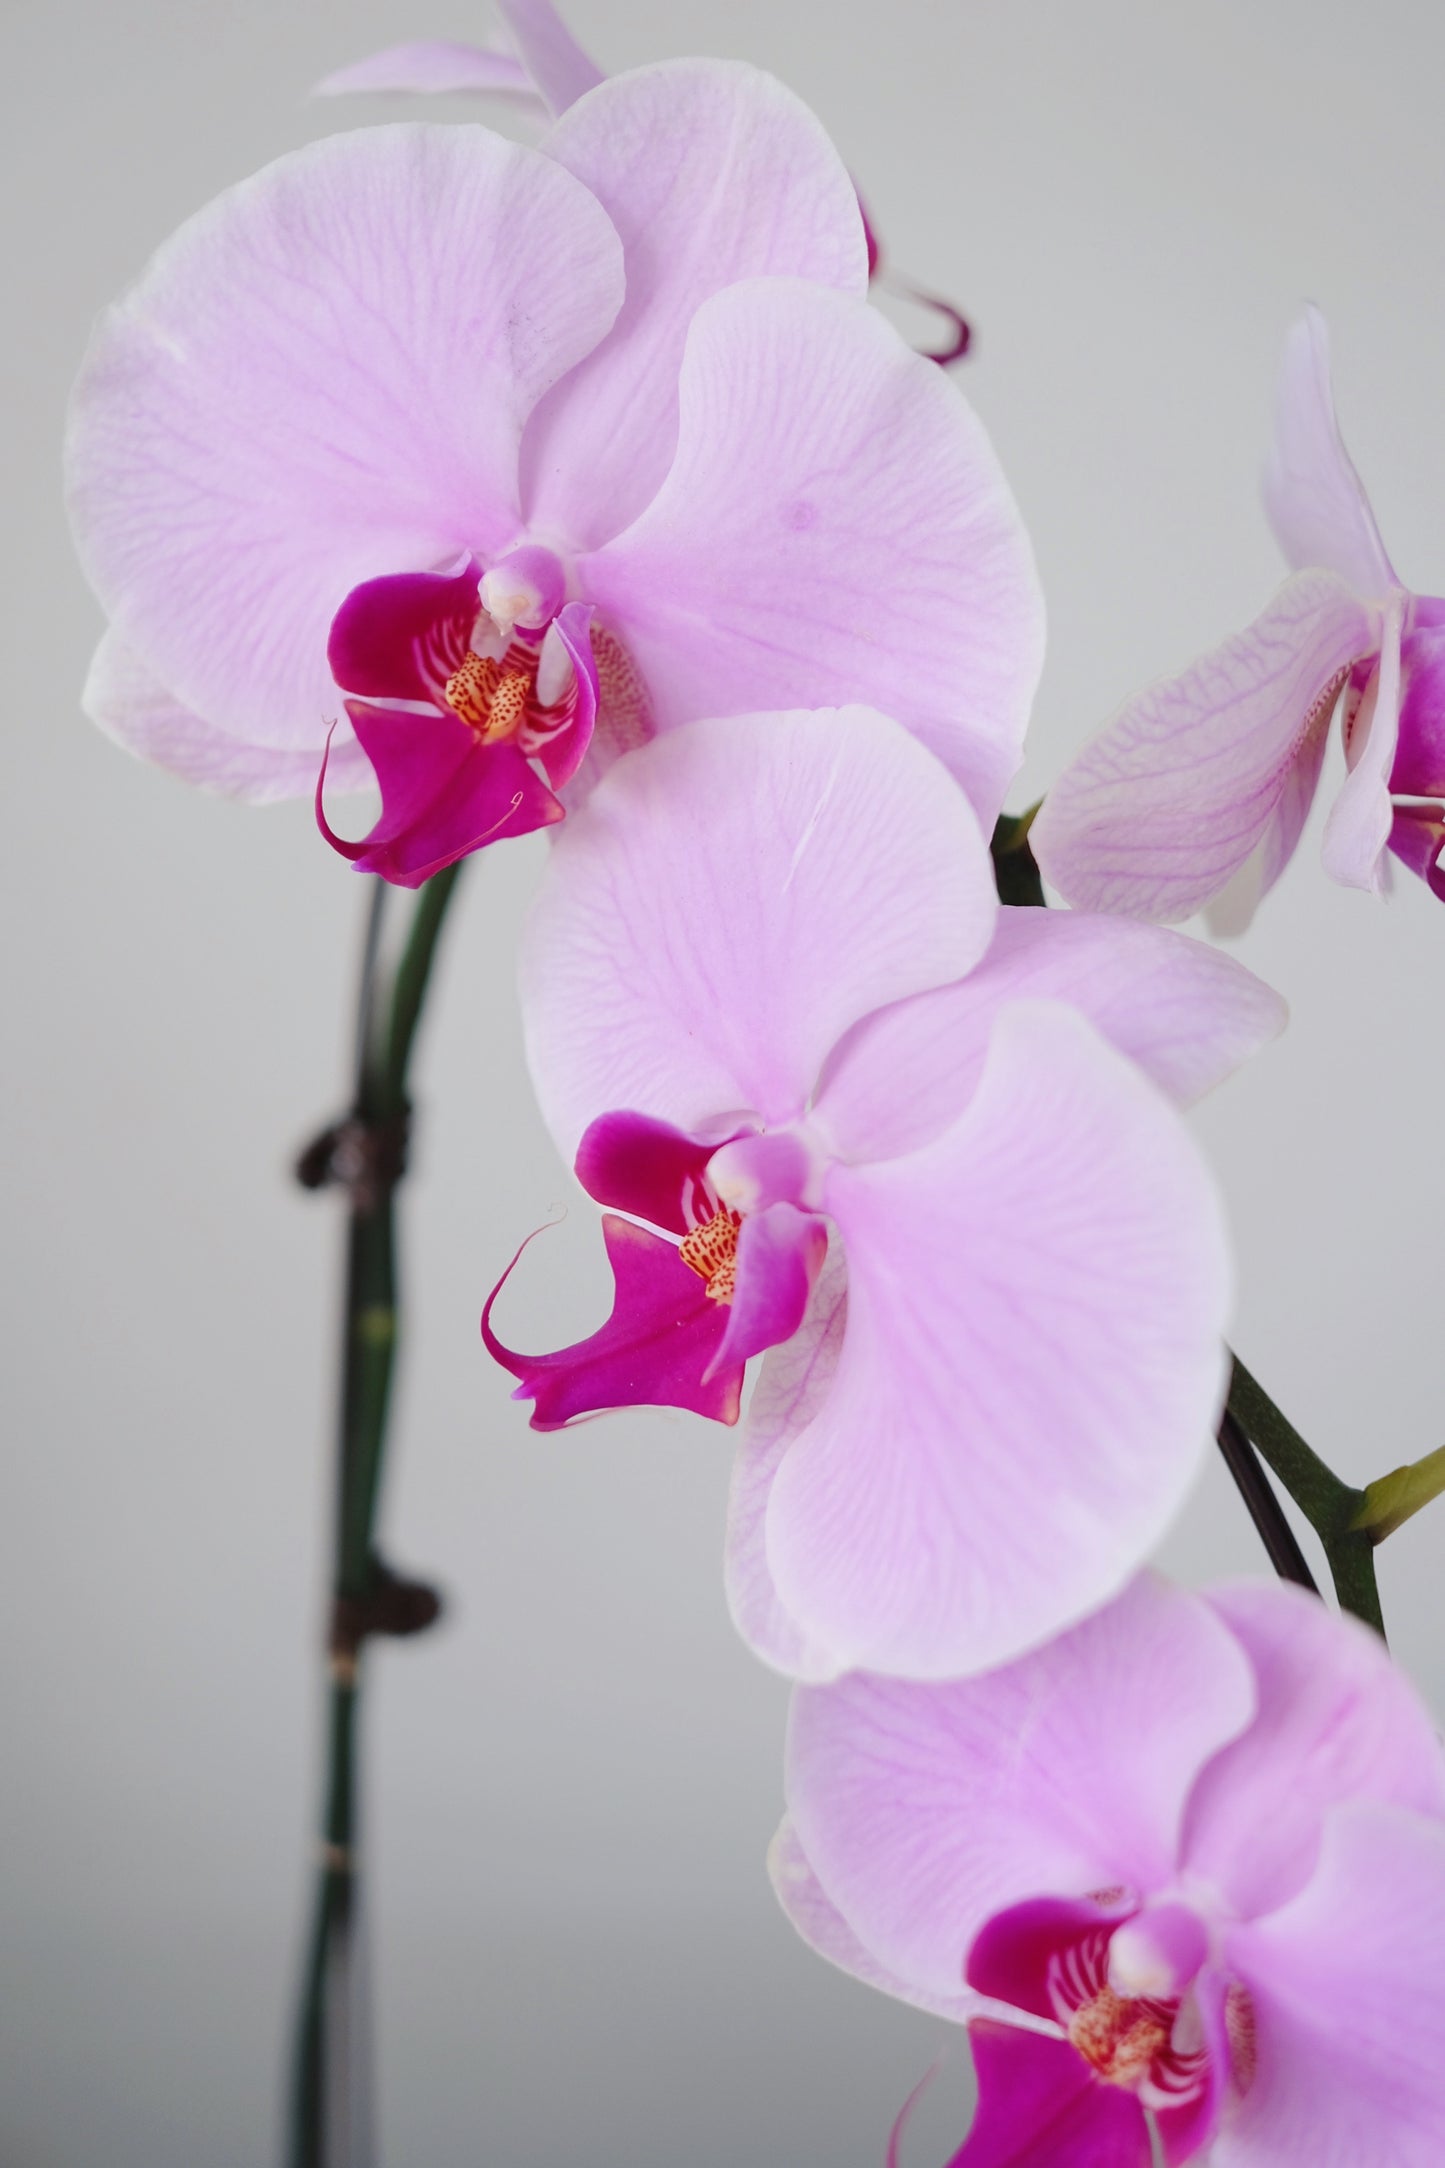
{"x": 1336, "y": 1721}
{"x": 430, "y": 66}
{"x": 731, "y": 899}
{"x": 835, "y": 527}
{"x": 1039, "y": 2102}
{"x": 134, "y": 708}
{"x": 926, "y": 1810}
{"x": 1188, "y": 1015}
{"x": 1316, "y": 501}
{"x": 1176, "y": 793}
{"x": 711, "y": 172}
{"x": 1348, "y": 1989}
{"x": 1358, "y": 829}
{"x": 792, "y": 1385}
{"x": 320, "y": 379}
{"x": 1031, "y": 1367}
{"x": 555, "y": 61}
{"x": 823, "y": 1927}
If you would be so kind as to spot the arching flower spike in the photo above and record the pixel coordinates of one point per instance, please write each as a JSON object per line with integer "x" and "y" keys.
{"x": 775, "y": 1012}
{"x": 1185, "y": 1865}
{"x": 1211, "y": 775}
{"x": 466, "y": 447}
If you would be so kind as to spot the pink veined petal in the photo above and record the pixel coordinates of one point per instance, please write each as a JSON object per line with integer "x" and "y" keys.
{"x": 1040, "y": 2106}
{"x": 1417, "y": 837}
{"x": 835, "y": 527}
{"x": 1315, "y": 500}
{"x": 791, "y": 1386}
{"x": 924, "y": 1810}
{"x": 401, "y": 637}
{"x": 1358, "y": 828}
{"x": 322, "y": 378}
{"x": 656, "y": 1349}
{"x": 1348, "y": 1988}
{"x": 1031, "y": 1367}
{"x": 646, "y": 1168}
{"x": 135, "y": 709}
{"x": 443, "y": 794}
{"x": 711, "y": 172}
{"x": 554, "y": 60}
{"x": 1336, "y": 1721}
{"x": 729, "y": 901}
{"x": 780, "y": 1254}
{"x": 430, "y": 66}
{"x": 823, "y": 1927}
{"x": 1186, "y": 1014}
{"x": 1176, "y": 793}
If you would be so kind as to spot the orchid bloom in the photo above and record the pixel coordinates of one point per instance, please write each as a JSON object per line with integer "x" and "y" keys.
{"x": 493, "y": 443}
{"x": 774, "y": 1010}
{"x": 1186, "y": 1863}
{"x": 550, "y": 71}
{"x": 1211, "y": 775}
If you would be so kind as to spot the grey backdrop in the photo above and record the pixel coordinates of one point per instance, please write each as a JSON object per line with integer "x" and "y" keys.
{"x": 573, "y": 1782}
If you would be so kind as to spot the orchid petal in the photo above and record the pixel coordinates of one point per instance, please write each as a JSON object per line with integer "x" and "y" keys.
{"x": 1419, "y": 770}
{"x": 443, "y": 793}
{"x": 1315, "y": 500}
{"x": 1010, "y": 1957}
{"x": 401, "y": 637}
{"x": 731, "y": 899}
{"x": 1186, "y": 1014}
{"x": 1348, "y": 1988}
{"x": 791, "y": 1387}
{"x": 647, "y": 1169}
{"x": 926, "y": 1810}
{"x": 780, "y": 1254}
{"x": 1031, "y": 1367}
{"x": 823, "y": 1927}
{"x": 135, "y": 709}
{"x": 1039, "y": 2101}
{"x": 553, "y": 59}
{"x": 323, "y": 377}
{"x": 1336, "y": 1721}
{"x": 563, "y": 753}
{"x": 656, "y": 1349}
{"x": 429, "y": 66}
{"x": 835, "y": 526}
{"x": 1175, "y": 794}
{"x": 711, "y": 172}
{"x": 1417, "y": 837}
{"x": 1358, "y": 829}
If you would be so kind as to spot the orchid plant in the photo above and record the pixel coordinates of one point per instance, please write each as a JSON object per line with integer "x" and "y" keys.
{"x": 579, "y": 486}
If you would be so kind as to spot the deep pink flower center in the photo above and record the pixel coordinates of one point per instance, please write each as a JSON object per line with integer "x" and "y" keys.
{"x": 1141, "y": 2042}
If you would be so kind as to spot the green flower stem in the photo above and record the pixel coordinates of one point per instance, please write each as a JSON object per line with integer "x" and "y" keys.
{"x": 1331, "y": 1507}
{"x": 1391, "y": 1499}
{"x": 329, "y": 2099}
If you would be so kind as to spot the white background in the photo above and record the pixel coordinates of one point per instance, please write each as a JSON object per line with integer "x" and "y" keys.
{"x": 572, "y": 1783}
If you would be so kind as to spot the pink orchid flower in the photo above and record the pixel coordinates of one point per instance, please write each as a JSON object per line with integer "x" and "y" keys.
{"x": 491, "y": 445}
{"x": 776, "y": 1014}
{"x": 1211, "y": 775}
{"x": 1186, "y": 1863}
